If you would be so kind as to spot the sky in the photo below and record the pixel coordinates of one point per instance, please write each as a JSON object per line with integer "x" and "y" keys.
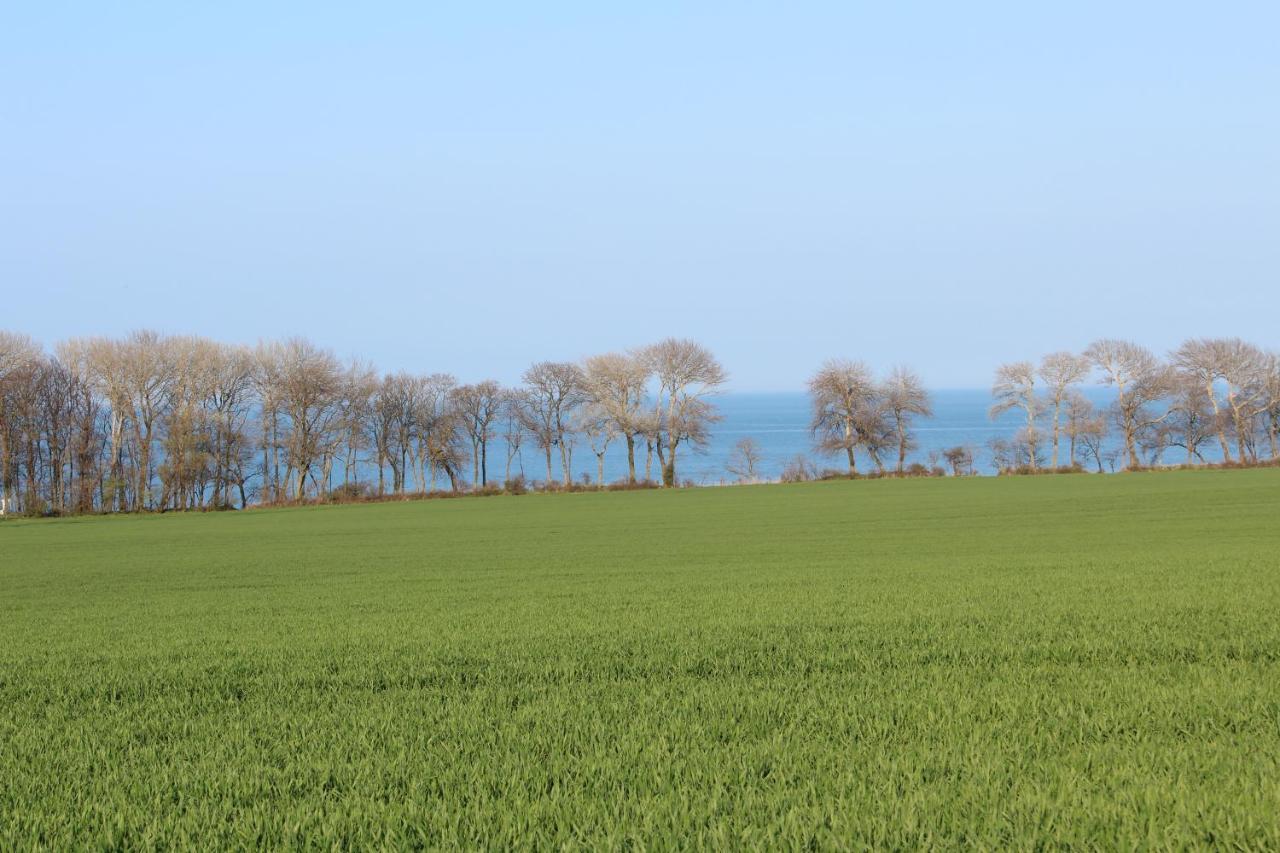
{"x": 470, "y": 187}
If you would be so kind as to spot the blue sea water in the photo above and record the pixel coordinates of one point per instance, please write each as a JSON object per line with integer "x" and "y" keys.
{"x": 779, "y": 423}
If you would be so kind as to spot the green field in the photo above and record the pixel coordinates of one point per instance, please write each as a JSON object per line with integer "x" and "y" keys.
{"x": 998, "y": 662}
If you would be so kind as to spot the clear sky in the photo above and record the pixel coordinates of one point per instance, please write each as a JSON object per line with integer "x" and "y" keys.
{"x": 469, "y": 187}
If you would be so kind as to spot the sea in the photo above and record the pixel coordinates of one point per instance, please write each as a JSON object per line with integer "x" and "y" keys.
{"x": 779, "y": 424}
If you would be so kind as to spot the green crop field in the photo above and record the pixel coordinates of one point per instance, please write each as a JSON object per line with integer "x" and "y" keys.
{"x": 1013, "y": 662}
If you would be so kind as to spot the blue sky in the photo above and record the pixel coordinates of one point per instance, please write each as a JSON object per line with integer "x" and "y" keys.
{"x": 469, "y": 187}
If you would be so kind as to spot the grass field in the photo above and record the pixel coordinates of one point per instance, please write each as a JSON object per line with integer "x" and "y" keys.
{"x": 997, "y": 662}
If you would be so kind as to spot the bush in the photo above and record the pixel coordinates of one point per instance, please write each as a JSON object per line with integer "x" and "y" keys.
{"x": 516, "y": 485}
{"x": 349, "y": 493}
{"x": 626, "y": 486}
{"x": 799, "y": 470}
{"x": 36, "y": 508}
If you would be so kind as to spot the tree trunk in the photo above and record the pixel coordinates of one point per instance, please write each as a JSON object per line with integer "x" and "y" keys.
{"x": 669, "y": 467}
{"x": 1057, "y": 415}
{"x": 631, "y": 458}
{"x": 1217, "y": 424}
{"x": 1130, "y": 446}
{"x": 902, "y": 448}
{"x": 1031, "y": 437}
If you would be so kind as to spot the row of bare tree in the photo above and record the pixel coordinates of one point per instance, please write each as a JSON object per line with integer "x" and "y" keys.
{"x": 1209, "y": 392}
{"x": 152, "y": 422}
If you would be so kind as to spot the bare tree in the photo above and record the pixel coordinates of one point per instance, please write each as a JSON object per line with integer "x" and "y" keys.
{"x": 268, "y": 379}
{"x": 1192, "y": 422}
{"x": 1092, "y": 438}
{"x": 650, "y": 423}
{"x": 1245, "y": 370}
{"x": 1015, "y": 388}
{"x": 846, "y": 408}
{"x": 446, "y": 446}
{"x": 1080, "y": 413}
{"x": 1061, "y": 372}
{"x": 514, "y": 415}
{"x": 598, "y": 426}
{"x": 360, "y": 386}
{"x": 744, "y": 460}
{"x": 479, "y": 406}
{"x": 310, "y": 395}
{"x": 87, "y": 407}
{"x": 402, "y": 404}
{"x": 146, "y": 361}
{"x": 1202, "y": 360}
{"x": 555, "y": 390}
{"x": 438, "y": 431}
{"x": 960, "y": 458}
{"x": 18, "y": 354}
{"x": 185, "y": 426}
{"x": 904, "y": 398}
{"x": 1271, "y": 414}
{"x": 1140, "y": 381}
{"x": 380, "y": 426}
{"x": 687, "y": 375}
{"x": 617, "y": 383}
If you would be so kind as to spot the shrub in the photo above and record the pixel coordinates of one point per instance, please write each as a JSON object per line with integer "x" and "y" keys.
{"x": 626, "y": 486}
{"x": 799, "y": 470}
{"x": 349, "y": 493}
{"x": 36, "y": 508}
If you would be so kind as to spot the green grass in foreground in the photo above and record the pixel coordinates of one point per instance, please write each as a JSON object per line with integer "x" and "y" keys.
{"x": 1012, "y": 662}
